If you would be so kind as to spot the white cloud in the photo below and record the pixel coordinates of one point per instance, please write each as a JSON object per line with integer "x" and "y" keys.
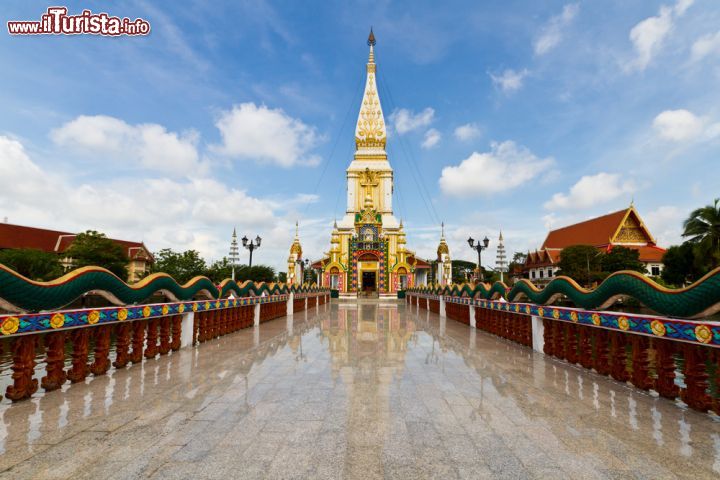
{"x": 268, "y": 135}
{"x": 682, "y": 5}
{"x": 648, "y": 36}
{"x": 665, "y": 223}
{"x": 178, "y": 214}
{"x": 504, "y": 167}
{"x": 592, "y": 190}
{"x": 405, "y": 120}
{"x": 509, "y": 81}
{"x": 706, "y": 45}
{"x": 467, "y": 132}
{"x": 678, "y": 125}
{"x": 432, "y": 138}
{"x": 150, "y": 145}
{"x": 682, "y": 125}
{"x": 551, "y": 34}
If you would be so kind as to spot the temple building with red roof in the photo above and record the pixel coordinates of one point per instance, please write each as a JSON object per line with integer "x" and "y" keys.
{"x": 54, "y": 241}
{"x": 622, "y": 228}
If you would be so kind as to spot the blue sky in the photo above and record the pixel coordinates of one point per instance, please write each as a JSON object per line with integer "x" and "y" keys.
{"x": 520, "y": 115}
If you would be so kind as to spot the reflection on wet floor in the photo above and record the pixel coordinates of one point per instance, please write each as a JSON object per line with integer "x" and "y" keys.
{"x": 355, "y": 391}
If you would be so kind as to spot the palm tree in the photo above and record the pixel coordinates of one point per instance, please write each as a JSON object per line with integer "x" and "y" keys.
{"x": 703, "y": 228}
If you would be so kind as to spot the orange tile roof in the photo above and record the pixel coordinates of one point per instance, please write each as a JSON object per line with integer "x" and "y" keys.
{"x": 20, "y": 236}
{"x": 421, "y": 263}
{"x": 542, "y": 258}
{"x": 650, "y": 253}
{"x": 596, "y": 231}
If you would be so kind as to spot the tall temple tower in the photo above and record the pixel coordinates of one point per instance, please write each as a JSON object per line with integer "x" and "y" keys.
{"x": 368, "y": 252}
{"x": 294, "y": 273}
{"x": 501, "y": 264}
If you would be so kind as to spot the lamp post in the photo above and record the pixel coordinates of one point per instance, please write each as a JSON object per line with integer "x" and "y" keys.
{"x": 479, "y": 247}
{"x": 251, "y": 245}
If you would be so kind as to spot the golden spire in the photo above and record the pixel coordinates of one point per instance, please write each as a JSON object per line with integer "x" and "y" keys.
{"x": 443, "y": 246}
{"x": 296, "y": 248}
{"x": 370, "y": 132}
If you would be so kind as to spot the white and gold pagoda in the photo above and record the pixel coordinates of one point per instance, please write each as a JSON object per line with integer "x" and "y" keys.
{"x": 294, "y": 273}
{"x": 444, "y": 263}
{"x": 367, "y": 246}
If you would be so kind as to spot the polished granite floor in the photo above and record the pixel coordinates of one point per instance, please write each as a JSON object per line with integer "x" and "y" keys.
{"x": 355, "y": 391}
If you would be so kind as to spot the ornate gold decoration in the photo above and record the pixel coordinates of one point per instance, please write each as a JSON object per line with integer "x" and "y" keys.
{"x": 164, "y": 309}
{"x": 57, "y": 320}
{"x": 369, "y": 178}
{"x": 574, "y": 316}
{"x": 632, "y": 230}
{"x": 93, "y": 317}
{"x": 658, "y": 328}
{"x": 443, "y": 248}
{"x": 596, "y": 319}
{"x": 370, "y": 130}
{"x": 146, "y": 311}
{"x": 122, "y": 314}
{"x": 181, "y": 308}
{"x": 10, "y": 325}
{"x": 703, "y": 334}
{"x": 623, "y": 323}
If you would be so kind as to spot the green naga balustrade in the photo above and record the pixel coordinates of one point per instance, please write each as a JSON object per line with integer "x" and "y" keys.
{"x": 18, "y": 293}
{"x": 700, "y": 299}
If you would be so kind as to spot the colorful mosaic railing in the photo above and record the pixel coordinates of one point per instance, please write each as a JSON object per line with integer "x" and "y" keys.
{"x": 18, "y": 293}
{"x": 133, "y": 332}
{"x": 668, "y": 355}
{"x": 700, "y": 299}
{"x": 20, "y": 324}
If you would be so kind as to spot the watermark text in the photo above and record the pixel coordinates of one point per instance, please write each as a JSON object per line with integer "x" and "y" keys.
{"x": 56, "y": 21}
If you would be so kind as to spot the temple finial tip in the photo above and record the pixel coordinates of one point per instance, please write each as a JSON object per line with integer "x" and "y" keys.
{"x": 371, "y": 38}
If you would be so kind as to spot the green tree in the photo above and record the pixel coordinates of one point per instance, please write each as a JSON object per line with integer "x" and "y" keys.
{"x": 182, "y": 266}
{"x": 517, "y": 263}
{"x": 582, "y": 263}
{"x": 622, "y": 258}
{"x": 702, "y": 228}
{"x": 219, "y": 270}
{"x": 490, "y": 276}
{"x": 256, "y": 273}
{"x": 431, "y": 279}
{"x": 93, "y": 248}
{"x": 33, "y": 264}
{"x": 679, "y": 265}
{"x": 282, "y": 277}
{"x": 459, "y": 267}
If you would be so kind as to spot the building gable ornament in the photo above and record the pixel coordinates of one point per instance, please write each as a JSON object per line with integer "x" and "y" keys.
{"x": 632, "y": 230}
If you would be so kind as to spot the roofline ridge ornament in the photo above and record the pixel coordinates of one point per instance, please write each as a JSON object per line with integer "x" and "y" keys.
{"x": 371, "y": 38}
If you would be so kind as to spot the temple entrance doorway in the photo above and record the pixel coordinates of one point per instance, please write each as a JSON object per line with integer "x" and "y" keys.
{"x": 369, "y": 282}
